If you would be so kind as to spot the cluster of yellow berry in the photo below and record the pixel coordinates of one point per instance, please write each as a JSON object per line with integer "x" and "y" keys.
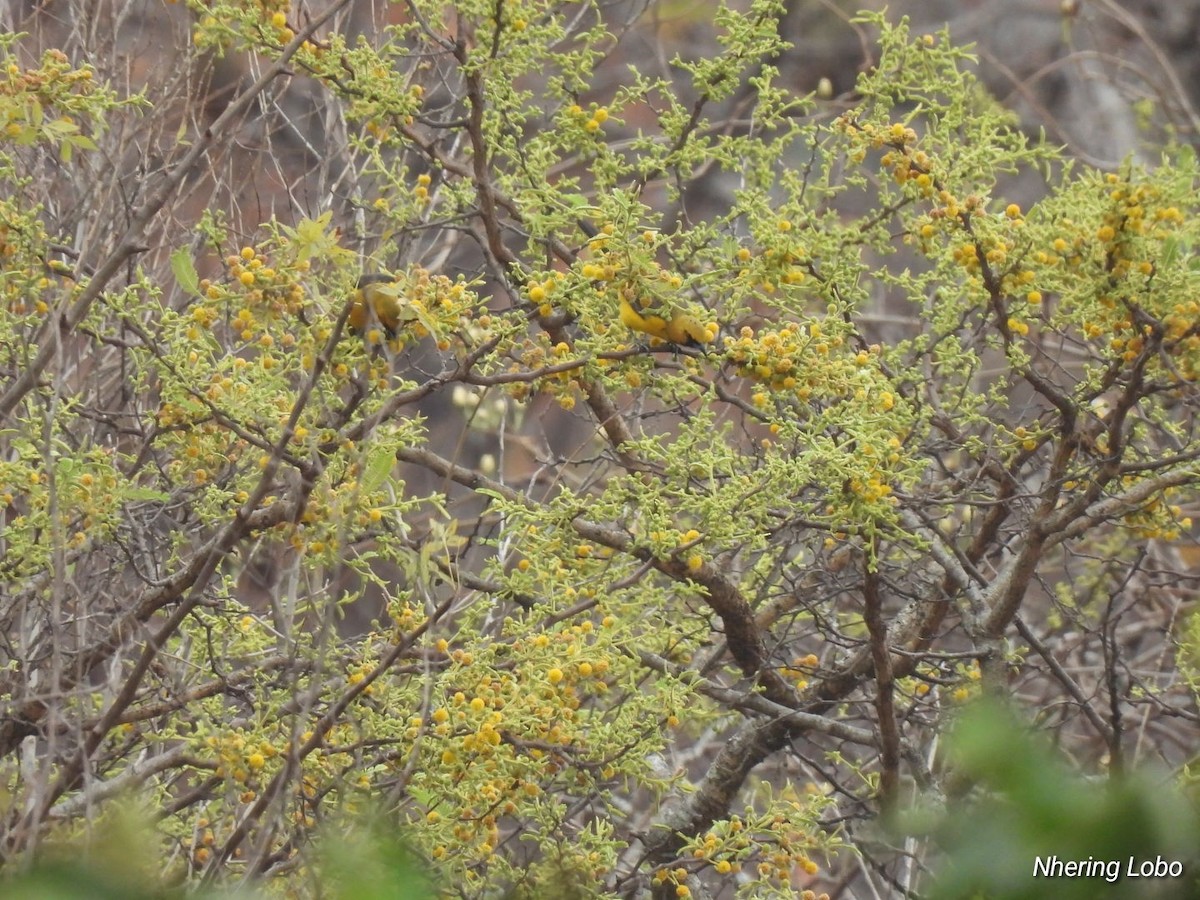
{"x": 775, "y": 357}
{"x": 1157, "y": 519}
{"x": 781, "y": 261}
{"x": 240, "y": 760}
{"x": 498, "y": 732}
{"x": 590, "y": 121}
{"x": 54, "y": 81}
{"x": 260, "y": 286}
{"x": 729, "y": 845}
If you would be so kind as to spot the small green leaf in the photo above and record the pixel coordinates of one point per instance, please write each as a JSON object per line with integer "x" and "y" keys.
{"x": 185, "y": 271}
{"x": 379, "y": 466}
{"x": 145, "y": 493}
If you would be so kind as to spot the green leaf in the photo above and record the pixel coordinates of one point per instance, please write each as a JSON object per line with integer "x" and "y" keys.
{"x": 185, "y": 271}
{"x": 380, "y": 461}
{"x": 145, "y": 493}
{"x": 314, "y": 237}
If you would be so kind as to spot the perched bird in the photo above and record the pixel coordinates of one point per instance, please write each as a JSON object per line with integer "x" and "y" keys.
{"x": 377, "y": 300}
{"x": 681, "y": 328}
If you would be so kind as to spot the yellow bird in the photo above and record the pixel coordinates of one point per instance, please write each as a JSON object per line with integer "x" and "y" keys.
{"x": 377, "y": 301}
{"x": 682, "y": 328}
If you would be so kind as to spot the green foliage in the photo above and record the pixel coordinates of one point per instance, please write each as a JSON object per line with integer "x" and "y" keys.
{"x": 1032, "y": 806}
{"x": 365, "y": 860}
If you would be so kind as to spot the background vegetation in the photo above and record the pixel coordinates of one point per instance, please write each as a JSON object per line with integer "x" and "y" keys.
{"x": 565, "y": 608}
